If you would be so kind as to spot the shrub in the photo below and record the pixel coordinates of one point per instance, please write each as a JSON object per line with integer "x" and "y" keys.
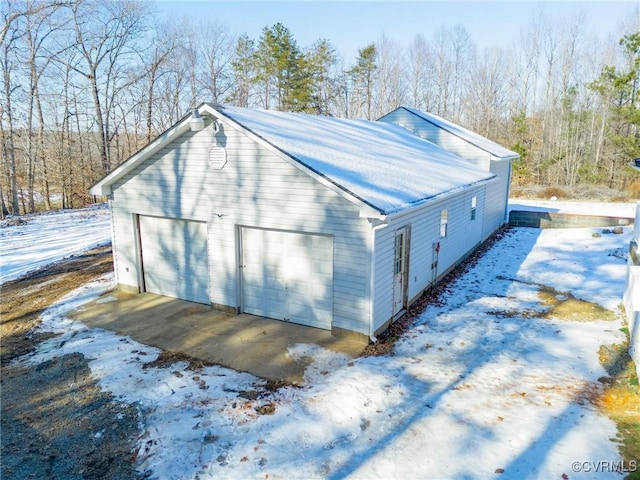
{"x": 551, "y": 192}
{"x": 634, "y": 189}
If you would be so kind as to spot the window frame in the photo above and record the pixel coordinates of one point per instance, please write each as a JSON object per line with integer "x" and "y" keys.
{"x": 474, "y": 205}
{"x": 444, "y": 222}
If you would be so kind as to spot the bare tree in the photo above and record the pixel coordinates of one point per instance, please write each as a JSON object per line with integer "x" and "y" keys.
{"x": 420, "y": 73}
{"x": 453, "y": 53}
{"x": 106, "y": 38}
{"x": 524, "y": 71}
{"x": 216, "y": 44}
{"x": 485, "y": 102}
{"x": 163, "y": 47}
{"x": 40, "y": 26}
{"x": 10, "y": 35}
{"x": 389, "y": 86}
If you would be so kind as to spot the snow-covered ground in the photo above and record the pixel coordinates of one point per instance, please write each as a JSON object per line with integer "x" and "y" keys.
{"x": 46, "y": 238}
{"x": 479, "y": 387}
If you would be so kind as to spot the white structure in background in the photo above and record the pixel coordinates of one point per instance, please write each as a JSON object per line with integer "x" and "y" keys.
{"x": 631, "y": 297}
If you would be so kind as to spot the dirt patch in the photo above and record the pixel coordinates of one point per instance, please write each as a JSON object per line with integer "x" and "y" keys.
{"x": 167, "y": 359}
{"x": 564, "y": 306}
{"x": 560, "y": 306}
{"x": 56, "y": 422}
{"x": 24, "y": 299}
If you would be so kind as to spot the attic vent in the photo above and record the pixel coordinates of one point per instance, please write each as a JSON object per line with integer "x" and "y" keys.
{"x": 217, "y": 157}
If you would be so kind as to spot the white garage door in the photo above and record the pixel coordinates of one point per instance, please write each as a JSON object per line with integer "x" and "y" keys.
{"x": 174, "y": 258}
{"x": 288, "y": 276}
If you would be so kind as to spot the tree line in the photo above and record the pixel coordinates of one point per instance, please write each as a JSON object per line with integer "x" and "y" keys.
{"x": 86, "y": 83}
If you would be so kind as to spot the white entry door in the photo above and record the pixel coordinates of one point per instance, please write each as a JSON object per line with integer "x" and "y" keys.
{"x": 288, "y": 276}
{"x": 174, "y": 258}
{"x": 400, "y": 265}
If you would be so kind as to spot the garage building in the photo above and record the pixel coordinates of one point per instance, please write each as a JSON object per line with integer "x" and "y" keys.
{"x": 326, "y": 222}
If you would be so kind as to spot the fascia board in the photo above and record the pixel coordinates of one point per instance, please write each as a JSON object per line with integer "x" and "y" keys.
{"x": 103, "y": 187}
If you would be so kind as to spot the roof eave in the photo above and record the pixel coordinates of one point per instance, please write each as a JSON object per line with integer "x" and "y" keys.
{"x": 508, "y": 157}
{"x": 104, "y": 186}
{"x": 515, "y": 156}
{"x": 426, "y": 202}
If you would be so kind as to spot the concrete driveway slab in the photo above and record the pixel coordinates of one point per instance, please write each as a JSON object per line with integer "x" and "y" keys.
{"x": 243, "y": 342}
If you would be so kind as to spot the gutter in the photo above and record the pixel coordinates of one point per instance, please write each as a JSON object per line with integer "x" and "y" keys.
{"x": 427, "y": 202}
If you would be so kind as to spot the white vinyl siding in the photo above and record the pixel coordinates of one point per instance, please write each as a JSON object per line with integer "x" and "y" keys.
{"x": 474, "y": 208}
{"x": 256, "y": 188}
{"x": 495, "y": 211}
{"x": 440, "y": 137}
{"x": 495, "y": 208}
{"x": 463, "y": 236}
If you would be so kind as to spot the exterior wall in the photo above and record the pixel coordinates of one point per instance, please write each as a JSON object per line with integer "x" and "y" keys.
{"x": 495, "y": 211}
{"x": 631, "y": 298}
{"x": 463, "y": 236}
{"x": 255, "y": 188}
{"x": 437, "y": 135}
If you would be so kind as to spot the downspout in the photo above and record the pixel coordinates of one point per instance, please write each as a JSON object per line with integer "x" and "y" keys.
{"x": 372, "y": 262}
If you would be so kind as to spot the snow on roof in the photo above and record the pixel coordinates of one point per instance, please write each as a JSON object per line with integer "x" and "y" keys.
{"x": 473, "y": 138}
{"x": 384, "y": 165}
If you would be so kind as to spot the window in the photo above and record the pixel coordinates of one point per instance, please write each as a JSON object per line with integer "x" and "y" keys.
{"x": 444, "y": 220}
{"x": 474, "y": 202}
{"x": 399, "y": 254}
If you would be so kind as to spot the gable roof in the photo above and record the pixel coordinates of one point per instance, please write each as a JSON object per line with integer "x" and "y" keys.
{"x": 384, "y": 165}
{"x": 473, "y": 138}
{"x": 380, "y": 165}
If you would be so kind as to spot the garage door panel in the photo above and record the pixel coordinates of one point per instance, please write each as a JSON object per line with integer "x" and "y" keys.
{"x": 193, "y": 290}
{"x": 308, "y": 315}
{"x": 252, "y": 257}
{"x": 175, "y": 258}
{"x": 296, "y": 271}
{"x": 300, "y": 313}
{"x": 265, "y": 307}
{"x": 275, "y": 308}
{"x": 322, "y": 268}
{"x": 156, "y": 283}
